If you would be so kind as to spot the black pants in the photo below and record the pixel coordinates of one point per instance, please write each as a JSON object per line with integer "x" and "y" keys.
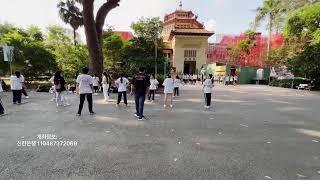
{"x": 151, "y": 94}
{"x": 82, "y": 99}
{"x": 176, "y": 91}
{"x": 17, "y": 96}
{"x": 124, "y": 97}
{"x": 24, "y": 92}
{"x": 207, "y": 97}
{"x": 95, "y": 88}
{"x": 1, "y": 107}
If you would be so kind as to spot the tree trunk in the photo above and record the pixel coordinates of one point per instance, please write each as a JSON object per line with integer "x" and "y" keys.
{"x": 94, "y": 48}
{"x": 74, "y": 37}
{"x": 94, "y": 30}
{"x": 270, "y": 34}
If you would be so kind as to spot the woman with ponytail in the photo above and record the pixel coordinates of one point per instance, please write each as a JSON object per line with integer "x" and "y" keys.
{"x": 207, "y": 89}
{"x": 122, "y": 84}
{"x": 59, "y": 86}
{"x": 105, "y": 85}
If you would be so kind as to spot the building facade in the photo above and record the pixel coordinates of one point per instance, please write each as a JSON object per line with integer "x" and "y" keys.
{"x": 186, "y": 41}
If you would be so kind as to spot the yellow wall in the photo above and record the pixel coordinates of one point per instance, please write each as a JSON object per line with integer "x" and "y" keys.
{"x": 181, "y": 43}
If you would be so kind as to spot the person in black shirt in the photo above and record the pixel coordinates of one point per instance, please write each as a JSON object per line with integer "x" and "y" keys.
{"x": 140, "y": 86}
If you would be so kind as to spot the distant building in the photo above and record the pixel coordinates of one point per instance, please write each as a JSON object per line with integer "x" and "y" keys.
{"x": 186, "y": 41}
{"x": 125, "y": 35}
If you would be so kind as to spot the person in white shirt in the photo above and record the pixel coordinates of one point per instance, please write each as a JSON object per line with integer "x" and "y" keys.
{"x": 194, "y": 79}
{"x": 189, "y": 77}
{"x": 207, "y": 90}
{"x": 1, "y": 106}
{"x": 227, "y": 80}
{"x": 105, "y": 85}
{"x": 168, "y": 84}
{"x": 16, "y": 87}
{"x": 122, "y": 84}
{"x": 95, "y": 81}
{"x": 176, "y": 85}
{"x": 153, "y": 87}
{"x": 231, "y": 80}
{"x": 235, "y": 80}
{"x": 84, "y": 89}
{"x": 184, "y": 78}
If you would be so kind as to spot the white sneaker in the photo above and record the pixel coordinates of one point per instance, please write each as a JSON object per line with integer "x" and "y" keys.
{"x": 164, "y": 106}
{"x": 27, "y": 97}
{"x": 171, "y": 106}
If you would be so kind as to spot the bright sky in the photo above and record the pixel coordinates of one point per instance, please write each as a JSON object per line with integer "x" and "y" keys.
{"x": 222, "y": 16}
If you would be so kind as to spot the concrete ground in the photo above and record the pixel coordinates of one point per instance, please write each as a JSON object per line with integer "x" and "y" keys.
{"x": 253, "y": 133}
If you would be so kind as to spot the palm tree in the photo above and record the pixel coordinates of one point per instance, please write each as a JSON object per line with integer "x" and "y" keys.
{"x": 273, "y": 11}
{"x": 71, "y": 14}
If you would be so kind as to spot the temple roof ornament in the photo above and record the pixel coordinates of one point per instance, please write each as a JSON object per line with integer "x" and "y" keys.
{"x": 180, "y": 5}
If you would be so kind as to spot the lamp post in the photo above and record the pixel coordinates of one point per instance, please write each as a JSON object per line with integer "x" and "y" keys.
{"x": 155, "y": 57}
{"x": 165, "y": 66}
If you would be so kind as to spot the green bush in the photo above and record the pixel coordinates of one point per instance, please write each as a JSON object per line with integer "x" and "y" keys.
{"x": 160, "y": 78}
{"x": 287, "y": 83}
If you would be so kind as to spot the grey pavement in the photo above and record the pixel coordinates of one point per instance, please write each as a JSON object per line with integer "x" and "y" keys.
{"x": 253, "y": 133}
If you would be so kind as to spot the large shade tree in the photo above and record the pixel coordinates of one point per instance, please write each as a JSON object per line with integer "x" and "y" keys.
{"x": 93, "y": 25}
{"x": 272, "y": 11}
{"x": 276, "y": 12}
{"x": 71, "y": 14}
{"x": 149, "y": 29}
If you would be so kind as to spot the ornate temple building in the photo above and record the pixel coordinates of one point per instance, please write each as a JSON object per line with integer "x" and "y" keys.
{"x": 186, "y": 41}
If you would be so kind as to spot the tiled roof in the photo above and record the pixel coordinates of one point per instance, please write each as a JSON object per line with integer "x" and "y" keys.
{"x": 192, "y": 31}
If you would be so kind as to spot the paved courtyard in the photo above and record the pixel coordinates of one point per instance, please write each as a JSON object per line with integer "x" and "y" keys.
{"x": 253, "y": 133}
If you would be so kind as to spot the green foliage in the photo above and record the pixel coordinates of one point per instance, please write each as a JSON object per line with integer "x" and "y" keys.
{"x": 141, "y": 53}
{"x": 141, "y": 50}
{"x": 288, "y": 83}
{"x": 307, "y": 64}
{"x": 30, "y": 54}
{"x": 303, "y": 25}
{"x": 271, "y": 9}
{"x": 57, "y": 35}
{"x": 243, "y": 47}
{"x": 37, "y": 55}
{"x": 148, "y": 28}
{"x": 6, "y": 28}
{"x": 277, "y": 56}
{"x": 278, "y": 10}
{"x": 112, "y": 48}
{"x": 40, "y": 62}
{"x": 71, "y": 14}
{"x": 70, "y": 59}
